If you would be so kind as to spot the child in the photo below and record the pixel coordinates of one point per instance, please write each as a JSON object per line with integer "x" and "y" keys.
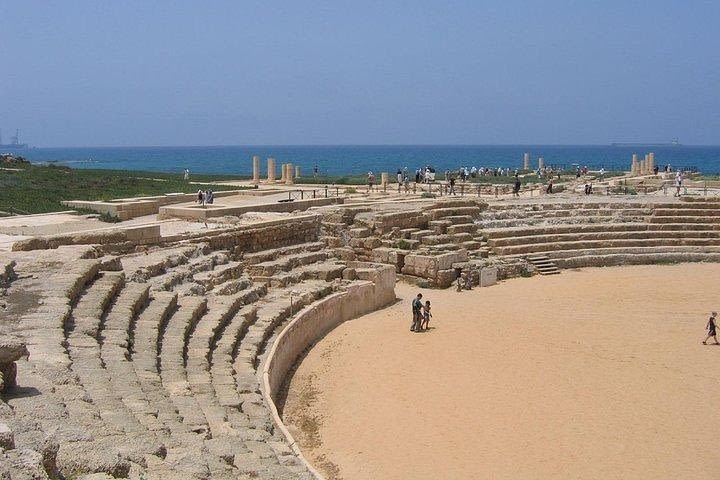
{"x": 426, "y": 315}
{"x": 710, "y": 327}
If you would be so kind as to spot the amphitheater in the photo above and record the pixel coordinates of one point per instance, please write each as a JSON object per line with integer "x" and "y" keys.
{"x": 158, "y": 348}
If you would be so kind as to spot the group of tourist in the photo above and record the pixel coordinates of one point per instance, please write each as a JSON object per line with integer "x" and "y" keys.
{"x": 421, "y": 314}
{"x": 206, "y": 197}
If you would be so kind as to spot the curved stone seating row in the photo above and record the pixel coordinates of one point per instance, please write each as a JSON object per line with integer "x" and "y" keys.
{"x": 600, "y": 236}
{"x": 600, "y": 260}
{"x": 589, "y": 244}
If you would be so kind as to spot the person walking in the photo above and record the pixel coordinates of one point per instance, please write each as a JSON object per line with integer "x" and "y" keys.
{"x": 452, "y": 186}
{"x": 710, "y": 327}
{"x": 371, "y": 181}
{"x": 678, "y": 183}
{"x": 516, "y": 190}
{"x": 549, "y": 190}
{"x": 399, "y": 179}
{"x": 417, "y": 313}
{"x": 426, "y": 316}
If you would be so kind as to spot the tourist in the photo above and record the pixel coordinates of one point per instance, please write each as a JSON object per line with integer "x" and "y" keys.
{"x": 426, "y": 316}
{"x": 549, "y": 190}
{"x": 399, "y": 179}
{"x": 516, "y": 190}
{"x": 407, "y": 184}
{"x": 417, "y": 313}
{"x": 678, "y": 183}
{"x": 186, "y": 175}
{"x": 710, "y": 327}
{"x": 315, "y": 170}
{"x": 371, "y": 181}
{"x": 200, "y": 197}
{"x": 452, "y": 186}
{"x": 210, "y": 197}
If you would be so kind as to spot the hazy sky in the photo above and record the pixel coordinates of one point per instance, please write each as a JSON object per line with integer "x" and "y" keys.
{"x": 359, "y": 72}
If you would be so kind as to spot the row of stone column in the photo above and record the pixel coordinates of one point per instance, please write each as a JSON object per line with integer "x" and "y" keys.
{"x": 288, "y": 171}
{"x": 643, "y": 167}
{"x": 526, "y": 162}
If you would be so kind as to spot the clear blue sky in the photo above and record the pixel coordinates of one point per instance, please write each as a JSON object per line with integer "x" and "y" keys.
{"x": 77, "y": 73}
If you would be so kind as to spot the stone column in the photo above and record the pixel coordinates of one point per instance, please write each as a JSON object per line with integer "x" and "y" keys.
{"x": 297, "y": 171}
{"x": 642, "y": 167}
{"x": 289, "y": 170}
{"x": 635, "y": 167}
{"x": 283, "y": 172}
{"x": 541, "y": 163}
{"x": 651, "y": 163}
{"x": 384, "y": 180}
{"x": 256, "y": 169}
{"x": 271, "y": 170}
{"x": 526, "y": 161}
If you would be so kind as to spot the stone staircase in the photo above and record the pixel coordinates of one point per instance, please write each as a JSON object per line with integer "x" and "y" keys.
{"x": 543, "y": 264}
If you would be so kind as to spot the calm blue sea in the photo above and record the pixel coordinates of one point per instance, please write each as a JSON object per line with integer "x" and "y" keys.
{"x": 336, "y": 160}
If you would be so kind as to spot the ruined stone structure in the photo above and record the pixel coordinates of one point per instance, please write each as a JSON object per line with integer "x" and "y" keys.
{"x": 129, "y": 354}
{"x": 150, "y": 364}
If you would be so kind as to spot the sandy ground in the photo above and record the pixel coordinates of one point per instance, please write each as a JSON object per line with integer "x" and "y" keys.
{"x": 592, "y": 374}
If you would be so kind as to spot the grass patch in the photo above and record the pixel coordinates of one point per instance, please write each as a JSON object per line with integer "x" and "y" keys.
{"x": 40, "y": 189}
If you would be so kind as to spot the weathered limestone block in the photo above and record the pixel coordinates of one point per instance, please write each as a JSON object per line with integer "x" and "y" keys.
{"x": 359, "y": 232}
{"x": 7, "y": 439}
{"x": 21, "y": 464}
{"x": 428, "y": 266}
{"x": 11, "y": 349}
{"x": 445, "y": 278}
{"x": 488, "y": 276}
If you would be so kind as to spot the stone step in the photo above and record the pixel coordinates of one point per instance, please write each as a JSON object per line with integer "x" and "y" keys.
{"x": 595, "y": 260}
{"x": 326, "y": 271}
{"x": 684, "y": 219}
{"x": 173, "y": 355}
{"x": 275, "y": 253}
{"x": 420, "y": 234}
{"x": 689, "y": 212}
{"x": 185, "y": 272}
{"x": 143, "y": 266}
{"x": 588, "y": 244}
{"x": 462, "y": 228}
{"x": 223, "y": 273}
{"x": 439, "y": 226}
{"x": 443, "y": 213}
{"x": 560, "y": 254}
{"x": 566, "y": 237}
{"x": 284, "y": 263}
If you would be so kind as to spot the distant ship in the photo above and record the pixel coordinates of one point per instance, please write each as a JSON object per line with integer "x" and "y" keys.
{"x": 673, "y": 143}
{"x": 14, "y": 142}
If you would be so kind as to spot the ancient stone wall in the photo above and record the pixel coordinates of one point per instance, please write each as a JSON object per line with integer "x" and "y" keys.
{"x": 315, "y": 321}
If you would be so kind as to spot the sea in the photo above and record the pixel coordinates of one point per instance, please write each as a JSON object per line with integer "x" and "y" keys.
{"x": 352, "y": 160}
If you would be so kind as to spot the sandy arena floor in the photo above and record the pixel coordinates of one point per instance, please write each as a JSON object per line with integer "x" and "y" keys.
{"x": 592, "y": 374}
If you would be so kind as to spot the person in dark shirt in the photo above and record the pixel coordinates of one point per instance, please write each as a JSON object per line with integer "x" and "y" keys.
{"x": 710, "y": 327}
{"x": 417, "y": 313}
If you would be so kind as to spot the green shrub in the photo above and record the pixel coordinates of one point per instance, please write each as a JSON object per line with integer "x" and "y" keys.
{"x": 402, "y": 244}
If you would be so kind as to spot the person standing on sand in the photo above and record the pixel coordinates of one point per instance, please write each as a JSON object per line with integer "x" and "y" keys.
{"x": 417, "y": 313}
{"x": 710, "y": 327}
{"x": 678, "y": 183}
{"x": 426, "y": 316}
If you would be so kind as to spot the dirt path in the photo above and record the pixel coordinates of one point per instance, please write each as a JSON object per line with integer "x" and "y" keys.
{"x": 589, "y": 374}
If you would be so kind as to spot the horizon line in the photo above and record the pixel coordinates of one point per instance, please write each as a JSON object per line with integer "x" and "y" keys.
{"x": 629, "y": 145}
